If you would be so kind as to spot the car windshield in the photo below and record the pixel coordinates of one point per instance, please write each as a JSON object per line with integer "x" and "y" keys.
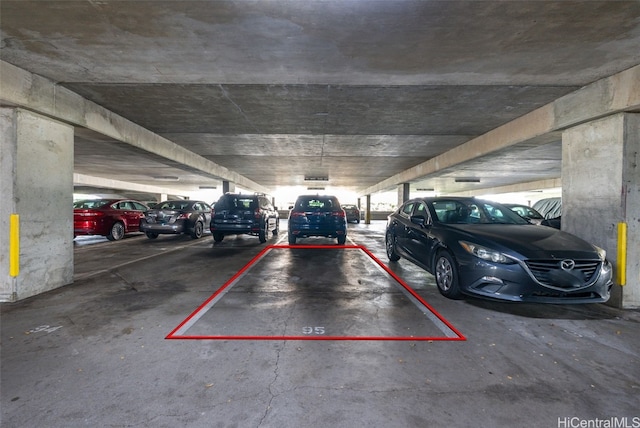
{"x": 474, "y": 212}
{"x": 236, "y": 203}
{"x": 525, "y": 211}
{"x": 90, "y": 204}
{"x": 318, "y": 203}
{"x": 173, "y": 205}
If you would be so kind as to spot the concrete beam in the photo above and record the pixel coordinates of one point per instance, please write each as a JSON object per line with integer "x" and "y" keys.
{"x": 515, "y": 188}
{"x": 35, "y": 93}
{"x": 614, "y": 94}
{"x": 88, "y": 180}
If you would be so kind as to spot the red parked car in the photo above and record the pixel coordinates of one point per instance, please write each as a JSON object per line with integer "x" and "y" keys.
{"x": 107, "y": 217}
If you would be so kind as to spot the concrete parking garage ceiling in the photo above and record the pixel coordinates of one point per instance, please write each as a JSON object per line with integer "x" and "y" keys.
{"x": 357, "y": 91}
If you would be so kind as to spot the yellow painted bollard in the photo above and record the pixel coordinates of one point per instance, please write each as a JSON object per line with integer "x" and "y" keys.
{"x": 621, "y": 272}
{"x": 14, "y": 245}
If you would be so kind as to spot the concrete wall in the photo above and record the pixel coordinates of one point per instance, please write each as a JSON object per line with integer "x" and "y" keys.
{"x": 36, "y": 182}
{"x": 600, "y": 179}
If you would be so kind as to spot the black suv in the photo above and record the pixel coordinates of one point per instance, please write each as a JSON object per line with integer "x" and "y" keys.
{"x": 236, "y": 213}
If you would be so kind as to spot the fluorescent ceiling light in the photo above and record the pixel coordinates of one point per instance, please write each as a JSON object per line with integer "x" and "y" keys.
{"x": 166, "y": 178}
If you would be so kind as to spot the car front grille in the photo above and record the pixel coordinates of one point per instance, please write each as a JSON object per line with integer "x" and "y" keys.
{"x": 542, "y": 269}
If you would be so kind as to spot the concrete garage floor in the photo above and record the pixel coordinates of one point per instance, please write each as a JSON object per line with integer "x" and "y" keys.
{"x": 95, "y": 353}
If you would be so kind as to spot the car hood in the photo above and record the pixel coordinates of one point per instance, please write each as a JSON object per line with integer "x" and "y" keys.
{"x": 530, "y": 241}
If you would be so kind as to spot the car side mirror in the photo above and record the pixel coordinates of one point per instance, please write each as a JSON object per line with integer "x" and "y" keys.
{"x": 420, "y": 220}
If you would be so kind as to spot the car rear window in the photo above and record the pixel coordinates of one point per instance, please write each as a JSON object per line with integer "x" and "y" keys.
{"x": 236, "y": 203}
{"x": 173, "y": 205}
{"x": 318, "y": 203}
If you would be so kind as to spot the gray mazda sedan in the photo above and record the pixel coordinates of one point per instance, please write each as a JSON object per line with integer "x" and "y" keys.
{"x": 482, "y": 248}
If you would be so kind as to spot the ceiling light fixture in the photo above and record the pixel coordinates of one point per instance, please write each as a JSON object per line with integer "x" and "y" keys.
{"x": 315, "y": 188}
{"x": 166, "y": 178}
{"x": 316, "y": 178}
{"x": 208, "y": 187}
{"x": 467, "y": 180}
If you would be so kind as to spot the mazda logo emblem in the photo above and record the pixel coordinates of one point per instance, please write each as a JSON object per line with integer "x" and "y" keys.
{"x": 567, "y": 264}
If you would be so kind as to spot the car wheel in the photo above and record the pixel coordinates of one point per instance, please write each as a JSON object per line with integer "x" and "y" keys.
{"x": 292, "y": 239}
{"x": 218, "y": 237}
{"x": 198, "y": 230}
{"x": 151, "y": 235}
{"x": 390, "y": 244}
{"x": 358, "y": 220}
{"x": 262, "y": 235}
{"x": 277, "y": 229}
{"x": 447, "y": 276}
{"x": 117, "y": 232}
{"x": 342, "y": 239}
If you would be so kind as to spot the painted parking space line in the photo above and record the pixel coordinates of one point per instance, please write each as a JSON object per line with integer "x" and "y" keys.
{"x": 265, "y": 315}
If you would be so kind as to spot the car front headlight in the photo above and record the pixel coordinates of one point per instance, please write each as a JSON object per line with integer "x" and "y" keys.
{"x": 485, "y": 253}
{"x": 601, "y": 252}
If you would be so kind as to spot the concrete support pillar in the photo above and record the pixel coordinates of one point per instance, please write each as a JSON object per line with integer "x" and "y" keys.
{"x": 228, "y": 187}
{"x": 601, "y": 188}
{"x": 367, "y": 213}
{"x": 403, "y": 193}
{"x": 36, "y": 183}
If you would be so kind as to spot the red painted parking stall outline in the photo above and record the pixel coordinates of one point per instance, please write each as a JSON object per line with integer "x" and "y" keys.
{"x": 215, "y": 297}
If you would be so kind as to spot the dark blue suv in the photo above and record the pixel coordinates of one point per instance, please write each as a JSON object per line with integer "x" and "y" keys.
{"x": 314, "y": 215}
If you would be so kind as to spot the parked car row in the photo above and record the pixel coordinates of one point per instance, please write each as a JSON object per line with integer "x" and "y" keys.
{"x": 114, "y": 218}
{"x": 232, "y": 214}
{"x": 471, "y": 246}
{"x": 311, "y": 215}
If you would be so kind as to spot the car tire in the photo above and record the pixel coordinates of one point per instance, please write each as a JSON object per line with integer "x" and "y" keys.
{"x": 292, "y": 239}
{"x": 262, "y": 235}
{"x": 390, "y": 245}
{"x": 342, "y": 239}
{"x": 198, "y": 230}
{"x": 218, "y": 237}
{"x": 151, "y": 235}
{"x": 277, "y": 229}
{"x": 446, "y": 274}
{"x": 116, "y": 232}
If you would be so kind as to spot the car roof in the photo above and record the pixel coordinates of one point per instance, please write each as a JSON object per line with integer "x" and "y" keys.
{"x": 316, "y": 196}
{"x": 232, "y": 196}
{"x": 445, "y": 198}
